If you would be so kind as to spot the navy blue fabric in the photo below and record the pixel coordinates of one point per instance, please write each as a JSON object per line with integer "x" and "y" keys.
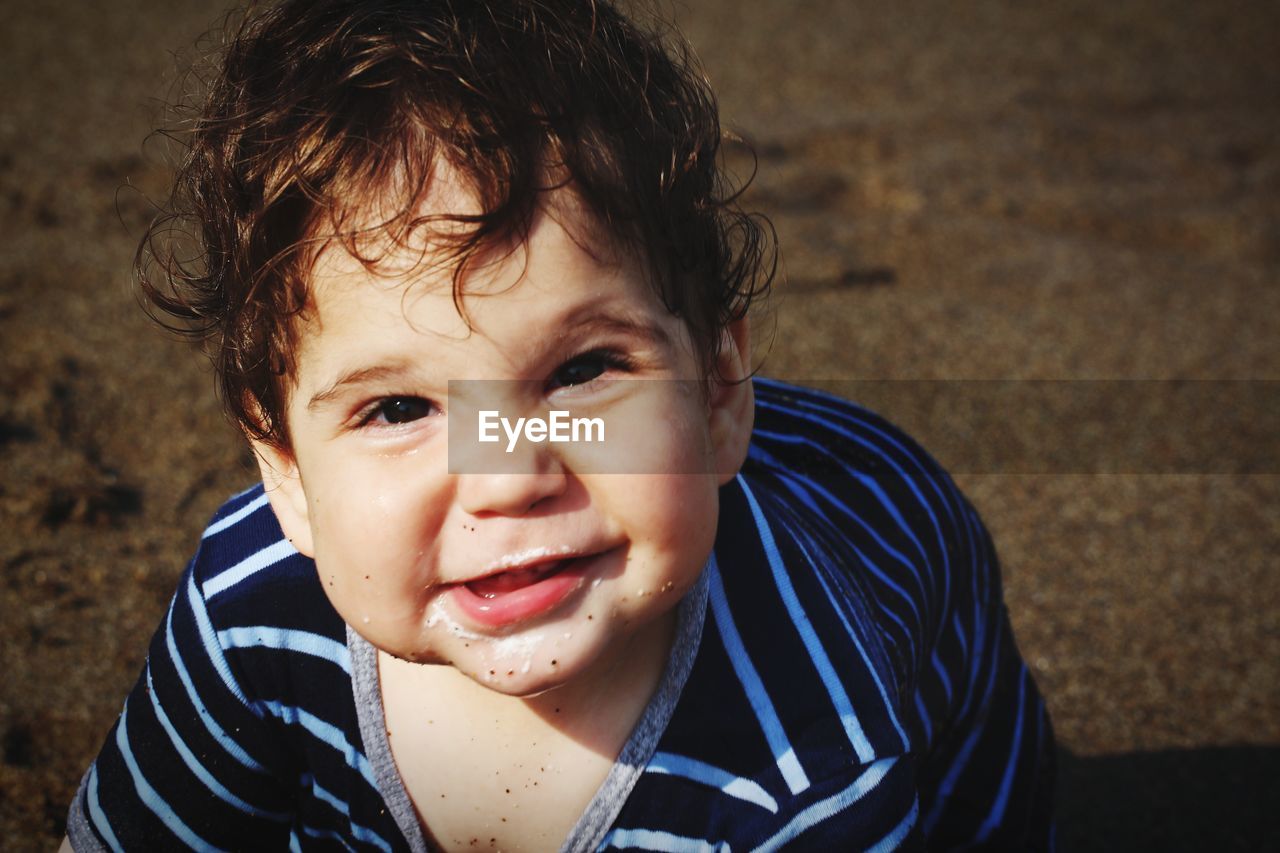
{"x": 857, "y": 684}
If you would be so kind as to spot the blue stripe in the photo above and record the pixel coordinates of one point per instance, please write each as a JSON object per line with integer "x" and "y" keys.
{"x": 706, "y": 774}
{"x": 960, "y": 636}
{"x": 236, "y": 517}
{"x": 225, "y": 740}
{"x": 200, "y": 771}
{"x": 869, "y": 530}
{"x": 922, "y": 712}
{"x": 837, "y": 408}
{"x": 783, "y": 753}
{"x": 332, "y": 835}
{"x": 839, "y": 570}
{"x": 979, "y": 628}
{"x": 862, "y": 653}
{"x": 209, "y": 637}
{"x": 966, "y": 750}
{"x": 915, "y": 461}
{"x": 829, "y": 807}
{"x": 930, "y": 477}
{"x": 96, "y": 814}
{"x": 152, "y": 800}
{"x": 835, "y": 689}
{"x": 326, "y": 733}
{"x": 796, "y": 489}
{"x": 1015, "y": 753}
{"x": 796, "y": 485}
{"x": 869, "y": 483}
{"x": 899, "y": 833}
{"x": 362, "y": 833}
{"x": 306, "y": 642}
{"x": 942, "y": 675}
{"x": 913, "y": 458}
{"x": 871, "y": 669}
{"x": 255, "y": 562}
{"x": 652, "y": 839}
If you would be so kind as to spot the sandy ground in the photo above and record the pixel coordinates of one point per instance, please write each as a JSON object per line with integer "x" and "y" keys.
{"x": 979, "y": 190}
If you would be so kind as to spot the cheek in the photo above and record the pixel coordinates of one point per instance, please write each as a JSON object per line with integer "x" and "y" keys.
{"x": 374, "y": 534}
{"x": 651, "y": 428}
{"x": 674, "y": 536}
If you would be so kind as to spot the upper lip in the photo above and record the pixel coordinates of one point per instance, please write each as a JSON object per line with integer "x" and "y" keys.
{"x": 529, "y": 558}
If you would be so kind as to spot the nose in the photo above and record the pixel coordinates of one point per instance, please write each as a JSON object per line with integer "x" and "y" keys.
{"x": 525, "y": 480}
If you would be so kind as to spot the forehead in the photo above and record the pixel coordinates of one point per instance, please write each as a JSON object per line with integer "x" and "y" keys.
{"x": 396, "y": 297}
{"x": 382, "y": 242}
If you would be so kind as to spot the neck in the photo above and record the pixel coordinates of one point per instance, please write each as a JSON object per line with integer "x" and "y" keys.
{"x": 618, "y": 684}
{"x": 598, "y": 708}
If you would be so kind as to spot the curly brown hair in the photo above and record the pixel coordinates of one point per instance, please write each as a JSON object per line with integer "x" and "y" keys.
{"x": 316, "y": 104}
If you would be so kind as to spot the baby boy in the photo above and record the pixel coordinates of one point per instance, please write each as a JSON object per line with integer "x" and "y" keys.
{"x": 740, "y": 615}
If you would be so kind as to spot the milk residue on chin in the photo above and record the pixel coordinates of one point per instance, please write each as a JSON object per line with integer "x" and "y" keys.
{"x": 437, "y": 614}
{"x": 516, "y": 645}
{"x": 496, "y": 653}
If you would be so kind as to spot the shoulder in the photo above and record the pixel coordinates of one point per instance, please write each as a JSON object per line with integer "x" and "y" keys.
{"x": 244, "y": 715}
{"x": 247, "y": 573}
{"x": 896, "y": 551}
{"x": 852, "y": 621}
{"x": 845, "y": 475}
{"x": 807, "y": 432}
{"x": 849, "y": 466}
{"x": 806, "y": 642}
{"x": 260, "y": 609}
{"x": 827, "y": 463}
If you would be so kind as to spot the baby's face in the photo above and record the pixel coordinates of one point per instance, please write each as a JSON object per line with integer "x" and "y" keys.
{"x": 523, "y": 572}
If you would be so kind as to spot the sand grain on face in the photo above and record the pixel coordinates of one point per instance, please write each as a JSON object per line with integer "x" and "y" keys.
{"x": 975, "y": 190}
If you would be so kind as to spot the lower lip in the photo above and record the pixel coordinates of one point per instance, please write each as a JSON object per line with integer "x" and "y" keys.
{"x": 527, "y": 602}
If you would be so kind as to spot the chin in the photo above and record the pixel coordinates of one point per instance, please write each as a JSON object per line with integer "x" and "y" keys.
{"x": 524, "y": 685}
{"x": 523, "y": 689}
{"x": 424, "y": 658}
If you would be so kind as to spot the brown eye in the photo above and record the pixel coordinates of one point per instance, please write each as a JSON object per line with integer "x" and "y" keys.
{"x": 580, "y": 370}
{"x": 401, "y": 410}
{"x": 586, "y": 367}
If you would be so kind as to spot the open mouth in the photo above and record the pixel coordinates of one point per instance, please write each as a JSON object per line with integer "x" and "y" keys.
{"x": 501, "y": 583}
{"x": 522, "y": 593}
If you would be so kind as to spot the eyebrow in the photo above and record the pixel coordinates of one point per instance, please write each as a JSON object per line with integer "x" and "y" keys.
{"x": 593, "y": 319}
{"x": 360, "y": 375}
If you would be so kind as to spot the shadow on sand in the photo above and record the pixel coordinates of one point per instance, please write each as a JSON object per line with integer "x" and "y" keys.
{"x": 1212, "y": 799}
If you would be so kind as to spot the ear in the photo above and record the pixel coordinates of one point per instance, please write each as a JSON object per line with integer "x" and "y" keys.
{"x": 732, "y": 401}
{"x": 283, "y": 484}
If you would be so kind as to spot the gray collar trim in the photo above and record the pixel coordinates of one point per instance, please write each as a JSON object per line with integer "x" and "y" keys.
{"x": 373, "y": 731}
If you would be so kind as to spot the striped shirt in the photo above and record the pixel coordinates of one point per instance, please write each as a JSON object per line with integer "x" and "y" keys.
{"x": 843, "y": 678}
